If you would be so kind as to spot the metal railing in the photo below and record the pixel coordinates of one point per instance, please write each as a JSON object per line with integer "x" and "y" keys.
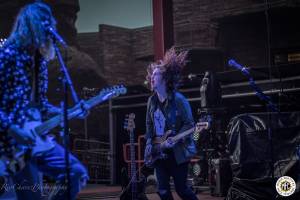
{"x": 95, "y": 155}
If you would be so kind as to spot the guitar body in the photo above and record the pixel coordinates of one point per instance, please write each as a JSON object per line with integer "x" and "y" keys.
{"x": 19, "y": 154}
{"x": 42, "y": 143}
{"x": 13, "y": 157}
{"x": 157, "y": 150}
{"x": 158, "y": 143}
{"x": 134, "y": 189}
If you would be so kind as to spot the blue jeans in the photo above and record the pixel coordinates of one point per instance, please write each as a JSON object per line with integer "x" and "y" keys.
{"x": 51, "y": 163}
{"x": 167, "y": 168}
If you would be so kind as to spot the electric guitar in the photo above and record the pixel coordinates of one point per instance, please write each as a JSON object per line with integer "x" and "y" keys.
{"x": 15, "y": 156}
{"x": 159, "y": 143}
{"x": 134, "y": 190}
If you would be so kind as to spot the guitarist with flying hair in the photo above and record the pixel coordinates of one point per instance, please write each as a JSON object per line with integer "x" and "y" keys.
{"x": 23, "y": 79}
{"x": 168, "y": 109}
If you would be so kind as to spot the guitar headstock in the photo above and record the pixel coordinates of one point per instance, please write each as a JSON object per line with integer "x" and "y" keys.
{"x": 129, "y": 123}
{"x": 200, "y": 126}
{"x": 113, "y": 91}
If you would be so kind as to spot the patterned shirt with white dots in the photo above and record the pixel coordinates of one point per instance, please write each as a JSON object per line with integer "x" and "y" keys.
{"x": 16, "y": 85}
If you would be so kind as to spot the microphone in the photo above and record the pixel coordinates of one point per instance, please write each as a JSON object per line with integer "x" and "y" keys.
{"x": 193, "y": 76}
{"x": 234, "y": 64}
{"x": 55, "y": 36}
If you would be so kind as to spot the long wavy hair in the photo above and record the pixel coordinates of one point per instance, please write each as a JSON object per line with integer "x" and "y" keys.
{"x": 170, "y": 66}
{"x": 29, "y": 27}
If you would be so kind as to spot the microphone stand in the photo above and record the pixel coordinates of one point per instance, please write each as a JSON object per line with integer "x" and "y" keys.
{"x": 66, "y": 80}
{"x": 66, "y": 74}
{"x": 270, "y": 106}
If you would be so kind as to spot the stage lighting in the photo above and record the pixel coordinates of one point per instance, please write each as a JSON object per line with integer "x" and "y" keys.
{"x": 2, "y": 41}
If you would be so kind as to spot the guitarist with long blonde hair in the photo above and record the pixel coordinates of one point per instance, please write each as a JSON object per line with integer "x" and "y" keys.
{"x": 23, "y": 86}
{"x": 167, "y": 109}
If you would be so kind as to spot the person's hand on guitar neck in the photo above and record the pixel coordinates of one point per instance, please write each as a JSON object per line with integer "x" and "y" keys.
{"x": 169, "y": 143}
{"x": 84, "y": 108}
{"x": 80, "y": 105}
{"x": 21, "y": 136}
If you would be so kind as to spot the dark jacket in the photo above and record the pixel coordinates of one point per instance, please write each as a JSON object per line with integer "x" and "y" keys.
{"x": 186, "y": 148}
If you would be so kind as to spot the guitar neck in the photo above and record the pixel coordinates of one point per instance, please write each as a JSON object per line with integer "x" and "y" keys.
{"x": 99, "y": 98}
{"x": 176, "y": 138}
{"x": 132, "y": 156}
{"x": 73, "y": 112}
{"x": 133, "y": 165}
{"x": 179, "y": 136}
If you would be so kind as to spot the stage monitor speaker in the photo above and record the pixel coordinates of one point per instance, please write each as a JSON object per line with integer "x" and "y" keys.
{"x": 250, "y": 148}
{"x": 254, "y": 159}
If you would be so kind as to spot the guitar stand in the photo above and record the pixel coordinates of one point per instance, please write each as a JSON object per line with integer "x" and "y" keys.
{"x": 125, "y": 189}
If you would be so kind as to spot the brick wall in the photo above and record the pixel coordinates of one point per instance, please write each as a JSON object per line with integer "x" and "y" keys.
{"x": 142, "y": 52}
{"x": 122, "y": 54}
{"x": 116, "y": 53}
{"x": 90, "y": 43}
{"x": 237, "y": 28}
{"x": 192, "y": 24}
{"x": 142, "y": 41}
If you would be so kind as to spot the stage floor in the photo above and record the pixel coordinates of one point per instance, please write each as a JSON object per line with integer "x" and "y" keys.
{"x": 95, "y": 192}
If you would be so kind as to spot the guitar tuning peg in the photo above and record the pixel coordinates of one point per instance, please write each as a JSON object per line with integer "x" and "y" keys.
{"x": 123, "y": 90}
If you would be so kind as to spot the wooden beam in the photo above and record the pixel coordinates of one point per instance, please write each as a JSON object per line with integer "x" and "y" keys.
{"x": 162, "y": 27}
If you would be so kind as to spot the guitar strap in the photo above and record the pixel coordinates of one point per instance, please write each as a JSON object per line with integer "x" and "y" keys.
{"x": 170, "y": 117}
{"x": 173, "y": 115}
{"x": 35, "y": 71}
{"x": 35, "y": 79}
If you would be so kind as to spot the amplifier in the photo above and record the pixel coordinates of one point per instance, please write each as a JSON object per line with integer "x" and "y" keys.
{"x": 220, "y": 176}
